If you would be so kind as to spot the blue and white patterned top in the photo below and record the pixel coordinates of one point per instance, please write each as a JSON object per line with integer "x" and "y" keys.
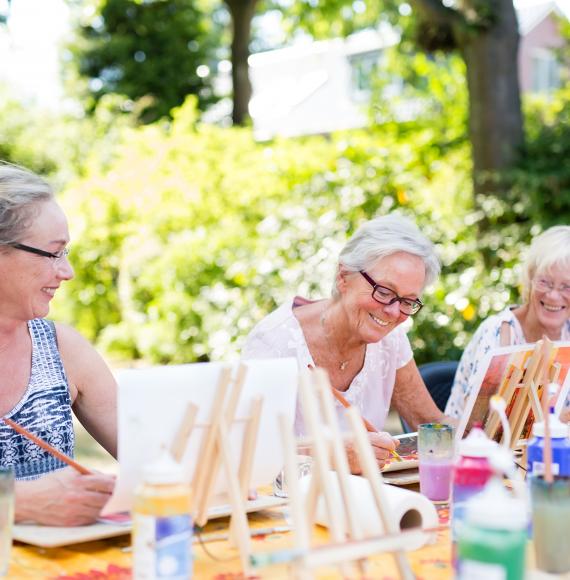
{"x": 486, "y": 337}
{"x": 44, "y": 409}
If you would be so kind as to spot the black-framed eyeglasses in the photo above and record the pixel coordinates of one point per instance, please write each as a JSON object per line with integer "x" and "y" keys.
{"x": 386, "y": 296}
{"x": 55, "y": 256}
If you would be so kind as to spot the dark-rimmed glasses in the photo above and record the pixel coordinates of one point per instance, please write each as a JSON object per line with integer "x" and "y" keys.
{"x": 55, "y": 256}
{"x": 386, "y": 296}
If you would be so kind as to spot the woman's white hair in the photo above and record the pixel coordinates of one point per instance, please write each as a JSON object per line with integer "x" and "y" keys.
{"x": 20, "y": 192}
{"x": 383, "y": 236}
{"x": 548, "y": 250}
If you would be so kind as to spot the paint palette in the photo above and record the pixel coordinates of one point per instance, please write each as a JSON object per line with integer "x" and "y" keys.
{"x": 407, "y": 450}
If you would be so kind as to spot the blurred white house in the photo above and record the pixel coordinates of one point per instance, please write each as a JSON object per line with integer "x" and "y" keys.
{"x": 323, "y": 86}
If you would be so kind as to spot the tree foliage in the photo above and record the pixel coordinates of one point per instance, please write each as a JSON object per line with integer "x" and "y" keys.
{"x": 193, "y": 233}
{"x": 484, "y": 33}
{"x": 147, "y": 51}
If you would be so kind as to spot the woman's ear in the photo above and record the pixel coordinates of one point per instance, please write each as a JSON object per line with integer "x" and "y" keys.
{"x": 341, "y": 278}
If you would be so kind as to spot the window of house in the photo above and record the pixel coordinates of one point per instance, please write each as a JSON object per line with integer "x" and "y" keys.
{"x": 363, "y": 68}
{"x": 545, "y": 71}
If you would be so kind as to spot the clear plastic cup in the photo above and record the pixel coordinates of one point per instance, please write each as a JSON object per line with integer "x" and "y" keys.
{"x": 435, "y": 454}
{"x": 6, "y": 517}
{"x": 551, "y": 523}
{"x": 304, "y": 467}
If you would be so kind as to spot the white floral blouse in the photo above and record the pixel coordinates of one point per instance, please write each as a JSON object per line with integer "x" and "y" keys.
{"x": 280, "y": 335}
{"x": 486, "y": 337}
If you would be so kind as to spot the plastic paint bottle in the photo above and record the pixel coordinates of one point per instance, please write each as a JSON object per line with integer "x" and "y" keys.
{"x": 492, "y": 540}
{"x": 560, "y": 448}
{"x": 162, "y": 524}
{"x": 471, "y": 473}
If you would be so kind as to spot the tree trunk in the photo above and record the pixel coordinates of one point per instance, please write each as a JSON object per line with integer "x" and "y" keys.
{"x": 486, "y": 33}
{"x": 242, "y": 12}
{"x": 495, "y": 117}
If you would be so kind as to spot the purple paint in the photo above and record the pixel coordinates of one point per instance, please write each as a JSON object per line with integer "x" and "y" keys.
{"x": 435, "y": 479}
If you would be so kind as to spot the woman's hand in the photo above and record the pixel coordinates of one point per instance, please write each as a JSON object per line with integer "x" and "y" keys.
{"x": 63, "y": 498}
{"x": 382, "y": 444}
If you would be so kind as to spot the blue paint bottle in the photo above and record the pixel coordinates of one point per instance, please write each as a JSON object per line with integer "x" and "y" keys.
{"x": 560, "y": 448}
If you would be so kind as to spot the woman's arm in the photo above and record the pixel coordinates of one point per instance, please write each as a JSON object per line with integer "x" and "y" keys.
{"x": 93, "y": 387}
{"x": 412, "y": 399}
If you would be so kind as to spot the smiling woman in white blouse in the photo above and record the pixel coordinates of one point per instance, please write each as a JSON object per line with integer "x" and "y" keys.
{"x": 356, "y": 335}
{"x": 544, "y": 312}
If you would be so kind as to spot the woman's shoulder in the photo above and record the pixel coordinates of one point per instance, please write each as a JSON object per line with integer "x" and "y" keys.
{"x": 493, "y": 322}
{"x": 281, "y": 317}
{"x": 487, "y": 335}
{"x": 276, "y": 334}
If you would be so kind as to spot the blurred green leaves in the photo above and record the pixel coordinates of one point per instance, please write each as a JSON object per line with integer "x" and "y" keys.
{"x": 152, "y": 53}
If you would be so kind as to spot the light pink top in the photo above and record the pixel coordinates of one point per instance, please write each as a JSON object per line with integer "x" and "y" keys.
{"x": 280, "y": 335}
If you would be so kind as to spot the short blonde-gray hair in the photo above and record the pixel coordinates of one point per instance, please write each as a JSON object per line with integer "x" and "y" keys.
{"x": 383, "y": 236}
{"x": 549, "y": 249}
{"x": 20, "y": 192}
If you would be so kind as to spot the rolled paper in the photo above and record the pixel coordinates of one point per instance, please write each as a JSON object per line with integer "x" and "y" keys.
{"x": 409, "y": 508}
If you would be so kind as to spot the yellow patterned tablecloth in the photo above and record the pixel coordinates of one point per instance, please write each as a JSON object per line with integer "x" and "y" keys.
{"x": 112, "y": 558}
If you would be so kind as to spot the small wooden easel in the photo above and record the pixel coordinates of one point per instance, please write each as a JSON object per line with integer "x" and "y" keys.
{"x": 216, "y": 453}
{"x": 527, "y": 382}
{"x": 349, "y": 546}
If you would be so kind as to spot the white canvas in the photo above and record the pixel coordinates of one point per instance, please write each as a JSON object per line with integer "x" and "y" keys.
{"x": 152, "y": 403}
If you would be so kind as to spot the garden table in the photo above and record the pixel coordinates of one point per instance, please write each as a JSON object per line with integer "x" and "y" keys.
{"x": 112, "y": 558}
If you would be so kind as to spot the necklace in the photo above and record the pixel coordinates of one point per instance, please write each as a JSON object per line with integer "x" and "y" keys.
{"x": 342, "y": 364}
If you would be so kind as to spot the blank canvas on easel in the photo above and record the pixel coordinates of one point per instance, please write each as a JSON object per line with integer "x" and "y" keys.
{"x": 153, "y": 404}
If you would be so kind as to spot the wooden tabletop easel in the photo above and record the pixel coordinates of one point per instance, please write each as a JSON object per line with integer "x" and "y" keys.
{"x": 349, "y": 547}
{"x": 523, "y": 388}
{"x": 216, "y": 454}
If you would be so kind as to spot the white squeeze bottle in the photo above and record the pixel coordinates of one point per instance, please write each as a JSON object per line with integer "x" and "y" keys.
{"x": 162, "y": 523}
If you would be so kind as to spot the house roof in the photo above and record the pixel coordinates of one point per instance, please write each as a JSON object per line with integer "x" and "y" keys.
{"x": 531, "y": 16}
{"x": 358, "y": 43}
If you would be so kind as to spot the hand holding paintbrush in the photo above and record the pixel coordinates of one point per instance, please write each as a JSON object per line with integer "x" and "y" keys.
{"x": 72, "y": 496}
{"x": 369, "y": 427}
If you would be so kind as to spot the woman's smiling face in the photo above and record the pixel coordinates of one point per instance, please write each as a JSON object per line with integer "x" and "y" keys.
{"x": 369, "y": 320}
{"x": 550, "y": 298}
{"x": 28, "y": 282}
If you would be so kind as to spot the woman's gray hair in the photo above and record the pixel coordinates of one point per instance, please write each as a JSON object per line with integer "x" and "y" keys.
{"x": 549, "y": 249}
{"x": 20, "y": 192}
{"x": 384, "y": 236}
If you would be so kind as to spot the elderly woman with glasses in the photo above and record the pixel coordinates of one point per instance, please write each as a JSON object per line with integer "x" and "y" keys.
{"x": 545, "y": 311}
{"x": 47, "y": 369}
{"x": 357, "y": 335}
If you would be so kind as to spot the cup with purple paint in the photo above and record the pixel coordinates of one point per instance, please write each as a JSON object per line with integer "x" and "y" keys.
{"x": 435, "y": 454}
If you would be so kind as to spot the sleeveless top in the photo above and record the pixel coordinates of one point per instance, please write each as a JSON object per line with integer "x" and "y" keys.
{"x": 44, "y": 409}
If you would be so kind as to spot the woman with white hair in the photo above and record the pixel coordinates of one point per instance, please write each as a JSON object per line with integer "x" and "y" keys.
{"x": 544, "y": 312}
{"x": 356, "y": 335}
{"x": 47, "y": 369}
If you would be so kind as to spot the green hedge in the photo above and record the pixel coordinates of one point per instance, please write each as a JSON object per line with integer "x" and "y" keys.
{"x": 193, "y": 233}
{"x": 185, "y": 235}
